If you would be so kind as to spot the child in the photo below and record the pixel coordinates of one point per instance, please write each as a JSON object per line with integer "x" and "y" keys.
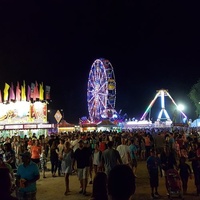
{"x": 43, "y": 162}
{"x": 185, "y": 172}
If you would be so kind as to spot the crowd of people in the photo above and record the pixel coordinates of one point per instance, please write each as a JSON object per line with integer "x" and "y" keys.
{"x": 96, "y": 156}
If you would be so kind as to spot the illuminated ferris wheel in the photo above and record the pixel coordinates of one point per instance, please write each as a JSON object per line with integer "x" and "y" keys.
{"x": 101, "y": 90}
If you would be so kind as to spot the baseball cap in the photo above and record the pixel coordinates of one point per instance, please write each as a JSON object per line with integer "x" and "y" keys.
{"x": 26, "y": 154}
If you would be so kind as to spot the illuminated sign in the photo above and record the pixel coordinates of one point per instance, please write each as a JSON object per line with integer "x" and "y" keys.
{"x": 30, "y": 125}
{"x": 44, "y": 126}
{"x": 58, "y": 116}
{"x": 20, "y": 126}
{"x": 26, "y": 126}
{"x": 22, "y": 112}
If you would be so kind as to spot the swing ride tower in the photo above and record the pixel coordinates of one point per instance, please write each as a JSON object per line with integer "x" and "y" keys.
{"x": 163, "y": 112}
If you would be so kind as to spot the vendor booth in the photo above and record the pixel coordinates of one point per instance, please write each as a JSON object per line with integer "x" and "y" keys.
{"x": 106, "y": 125}
{"x": 24, "y": 112}
{"x": 64, "y": 126}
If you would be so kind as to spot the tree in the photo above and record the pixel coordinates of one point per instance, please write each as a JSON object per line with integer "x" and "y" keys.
{"x": 194, "y": 95}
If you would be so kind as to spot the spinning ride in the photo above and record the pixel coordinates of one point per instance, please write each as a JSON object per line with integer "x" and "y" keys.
{"x": 162, "y": 93}
{"x": 101, "y": 90}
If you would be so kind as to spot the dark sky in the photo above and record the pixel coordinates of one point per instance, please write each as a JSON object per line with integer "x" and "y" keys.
{"x": 150, "y": 44}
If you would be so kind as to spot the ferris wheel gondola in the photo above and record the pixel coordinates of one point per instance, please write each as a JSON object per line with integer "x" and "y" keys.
{"x": 101, "y": 90}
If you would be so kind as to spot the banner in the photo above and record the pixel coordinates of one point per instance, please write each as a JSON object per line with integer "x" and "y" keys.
{"x": 28, "y": 97}
{"x": 36, "y": 92}
{"x": 12, "y": 93}
{"x": 18, "y": 92}
{"x": 23, "y": 92}
{"x": 6, "y": 92}
{"x": 41, "y": 92}
{"x": 32, "y": 90}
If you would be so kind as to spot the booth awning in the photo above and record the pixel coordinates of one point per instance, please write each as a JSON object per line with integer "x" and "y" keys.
{"x": 106, "y": 123}
{"x": 63, "y": 123}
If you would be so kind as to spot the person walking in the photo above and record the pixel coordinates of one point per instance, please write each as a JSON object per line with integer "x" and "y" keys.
{"x": 185, "y": 172}
{"x": 82, "y": 157}
{"x": 133, "y": 155}
{"x": 74, "y": 146}
{"x": 60, "y": 151}
{"x": 148, "y": 145}
{"x": 97, "y": 159}
{"x": 159, "y": 142}
{"x": 35, "y": 150}
{"x": 27, "y": 175}
{"x": 54, "y": 158}
{"x": 90, "y": 151}
{"x": 153, "y": 163}
{"x": 9, "y": 155}
{"x": 66, "y": 164}
{"x": 110, "y": 158}
{"x": 43, "y": 162}
{"x": 124, "y": 151}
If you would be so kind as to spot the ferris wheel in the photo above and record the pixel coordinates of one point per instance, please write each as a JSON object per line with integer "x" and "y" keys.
{"x": 101, "y": 90}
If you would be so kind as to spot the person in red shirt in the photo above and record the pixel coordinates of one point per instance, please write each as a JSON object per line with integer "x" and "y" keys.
{"x": 36, "y": 150}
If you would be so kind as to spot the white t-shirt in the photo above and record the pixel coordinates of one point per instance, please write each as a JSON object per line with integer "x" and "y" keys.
{"x": 123, "y": 152}
{"x": 75, "y": 144}
{"x": 96, "y": 160}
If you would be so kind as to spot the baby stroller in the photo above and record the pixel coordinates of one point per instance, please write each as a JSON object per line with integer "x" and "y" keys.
{"x": 173, "y": 183}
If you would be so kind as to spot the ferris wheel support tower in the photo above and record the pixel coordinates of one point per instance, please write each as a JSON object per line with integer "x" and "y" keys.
{"x": 161, "y": 93}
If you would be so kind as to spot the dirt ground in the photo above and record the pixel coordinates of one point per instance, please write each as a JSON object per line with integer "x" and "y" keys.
{"x": 53, "y": 188}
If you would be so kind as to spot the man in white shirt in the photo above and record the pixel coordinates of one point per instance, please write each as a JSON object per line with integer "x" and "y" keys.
{"x": 124, "y": 152}
{"x": 74, "y": 143}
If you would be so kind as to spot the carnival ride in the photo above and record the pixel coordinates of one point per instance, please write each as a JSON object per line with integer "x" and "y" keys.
{"x": 101, "y": 90}
{"x": 162, "y": 93}
{"x": 163, "y": 119}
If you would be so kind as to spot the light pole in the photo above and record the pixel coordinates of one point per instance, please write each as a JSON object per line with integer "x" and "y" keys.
{"x": 62, "y": 111}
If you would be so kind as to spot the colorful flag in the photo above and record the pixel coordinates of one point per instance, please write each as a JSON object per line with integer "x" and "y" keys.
{"x": 32, "y": 90}
{"x": 12, "y": 93}
{"x": 41, "y": 97}
{"x": 28, "y": 97}
{"x": 23, "y": 91}
{"x": 36, "y": 92}
{"x": 47, "y": 92}
{"x": 0, "y": 97}
{"x": 18, "y": 92}
{"x": 6, "y": 92}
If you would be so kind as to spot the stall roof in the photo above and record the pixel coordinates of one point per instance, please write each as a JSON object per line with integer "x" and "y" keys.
{"x": 106, "y": 122}
{"x": 63, "y": 123}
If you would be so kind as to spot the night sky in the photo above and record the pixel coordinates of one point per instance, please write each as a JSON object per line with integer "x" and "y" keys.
{"x": 150, "y": 44}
